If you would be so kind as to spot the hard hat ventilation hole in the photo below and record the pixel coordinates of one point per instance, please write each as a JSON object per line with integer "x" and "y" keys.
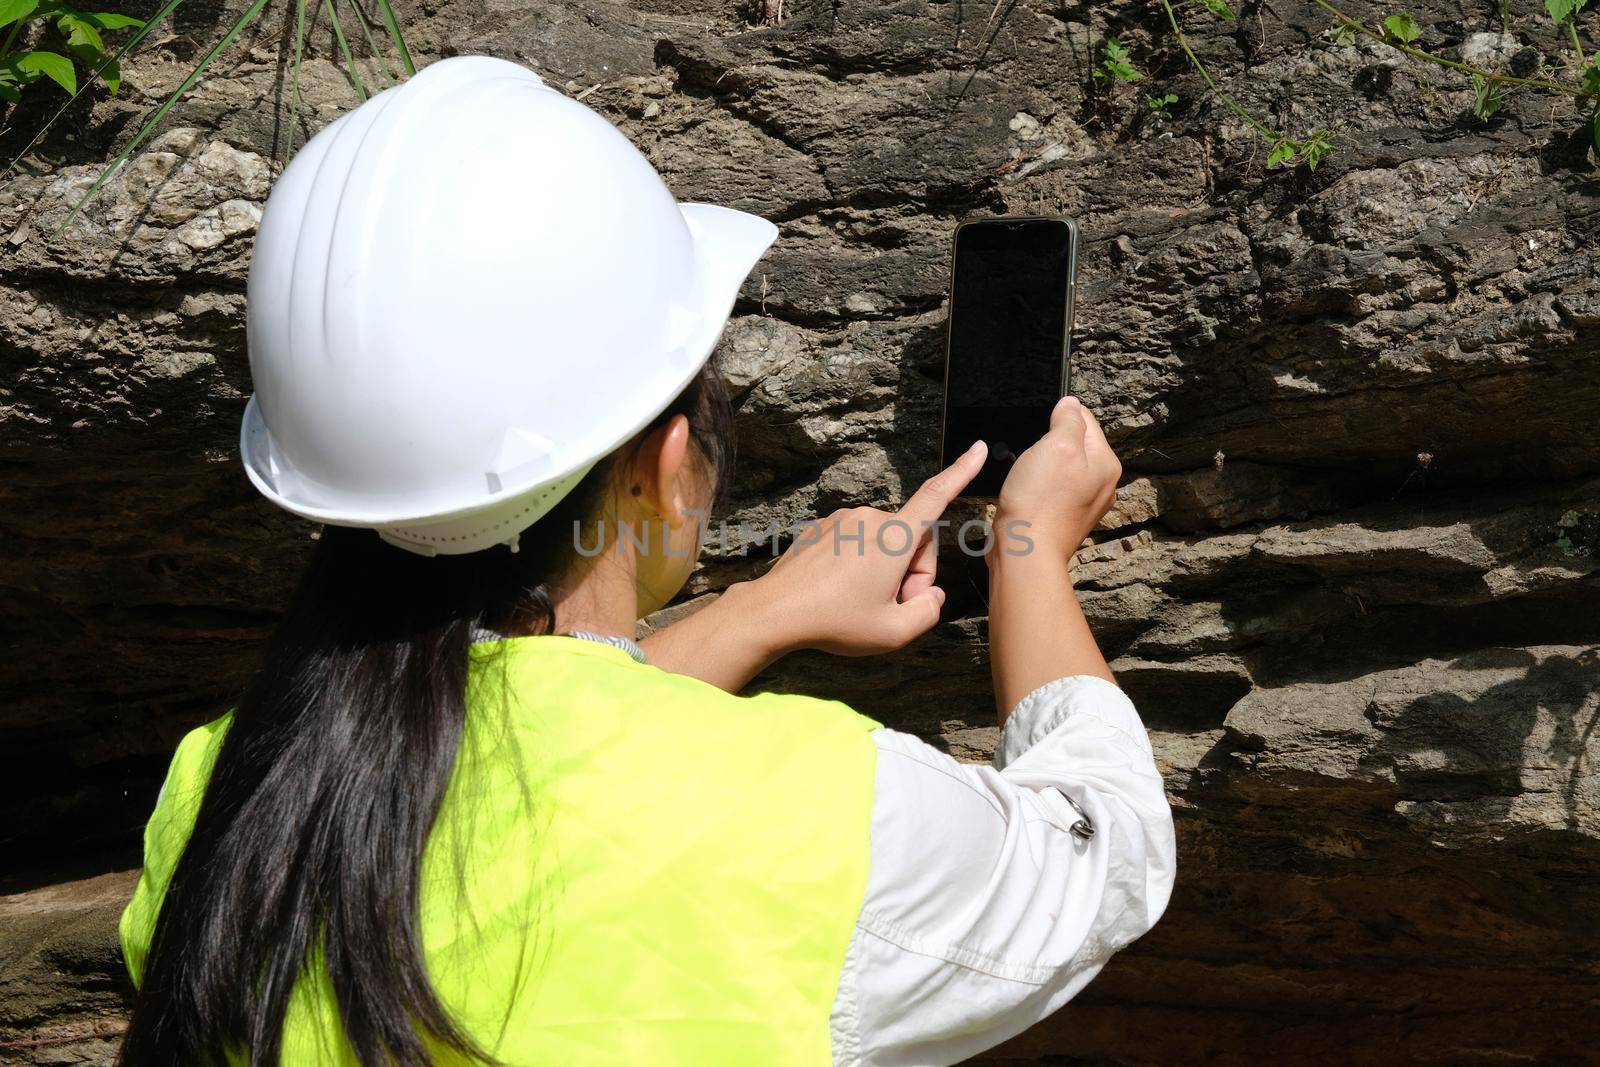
{"x": 423, "y": 540}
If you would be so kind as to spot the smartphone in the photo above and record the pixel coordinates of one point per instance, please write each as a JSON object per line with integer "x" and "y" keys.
{"x": 1008, "y": 338}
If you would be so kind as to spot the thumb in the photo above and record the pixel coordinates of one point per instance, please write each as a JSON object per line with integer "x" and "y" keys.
{"x": 1067, "y": 417}
{"x": 1094, "y": 438}
{"x": 919, "y": 614}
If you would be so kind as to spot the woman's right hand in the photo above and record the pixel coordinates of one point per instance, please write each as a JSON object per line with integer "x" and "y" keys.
{"x": 861, "y": 581}
{"x": 1058, "y": 489}
{"x": 857, "y": 583}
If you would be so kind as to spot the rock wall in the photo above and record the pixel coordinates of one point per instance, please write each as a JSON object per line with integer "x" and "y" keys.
{"x": 1350, "y": 579}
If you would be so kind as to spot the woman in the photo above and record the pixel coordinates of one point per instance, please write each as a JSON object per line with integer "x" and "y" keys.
{"x": 458, "y": 816}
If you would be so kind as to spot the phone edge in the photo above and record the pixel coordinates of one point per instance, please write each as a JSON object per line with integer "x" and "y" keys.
{"x": 1072, "y": 300}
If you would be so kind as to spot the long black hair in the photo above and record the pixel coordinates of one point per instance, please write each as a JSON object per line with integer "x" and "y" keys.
{"x": 309, "y": 840}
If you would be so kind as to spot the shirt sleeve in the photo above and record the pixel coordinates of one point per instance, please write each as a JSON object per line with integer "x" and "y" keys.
{"x": 986, "y": 910}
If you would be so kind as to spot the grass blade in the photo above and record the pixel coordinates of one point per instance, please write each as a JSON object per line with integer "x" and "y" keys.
{"x": 294, "y": 84}
{"x": 394, "y": 35}
{"x": 112, "y": 61}
{"x": 161, "y": 113}
{"x": 372, "y": 46}
{"x": 349, "y": 60}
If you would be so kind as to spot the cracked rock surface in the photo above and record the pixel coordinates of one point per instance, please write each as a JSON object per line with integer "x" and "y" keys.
{"x": 1351, "y": 577}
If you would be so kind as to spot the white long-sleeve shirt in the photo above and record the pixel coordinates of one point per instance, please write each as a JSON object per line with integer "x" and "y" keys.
{"x": 985, "y": 911}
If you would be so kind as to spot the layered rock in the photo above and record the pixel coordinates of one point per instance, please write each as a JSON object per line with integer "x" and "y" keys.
{"x": 1350, "y": 579}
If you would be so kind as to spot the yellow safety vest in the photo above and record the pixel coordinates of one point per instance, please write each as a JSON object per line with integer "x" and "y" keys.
{"x": 630, "y": 867}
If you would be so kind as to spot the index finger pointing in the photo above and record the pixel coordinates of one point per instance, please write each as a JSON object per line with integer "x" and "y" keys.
{"x": 935, "y": 494}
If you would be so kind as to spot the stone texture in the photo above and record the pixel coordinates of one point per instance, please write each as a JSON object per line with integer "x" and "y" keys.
{"x": 63, "y": 996}
{"x": 1351, "y": 577}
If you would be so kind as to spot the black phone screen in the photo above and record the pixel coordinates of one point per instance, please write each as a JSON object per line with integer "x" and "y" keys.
{"x": 1007, "y": 341}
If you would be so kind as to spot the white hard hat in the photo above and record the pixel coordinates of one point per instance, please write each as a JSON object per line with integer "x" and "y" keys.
{"x": 463, "y": 294}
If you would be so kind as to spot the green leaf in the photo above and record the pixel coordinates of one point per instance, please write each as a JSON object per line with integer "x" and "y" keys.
{"x": 102, "y": 66}
{"x": 1404, "y": 28}
{"x": 10, "y": 93}
{"x": 1591, "y": 78}
{"x": 17, "y": 11}
{"x": 81, "y": 33}
{"x": 1318, "y": 145}
{"x": 1486, "y": 97}
{"x": 1220, "y": 9}
{"x": 1114, "y": 63}
{"x": 110, "y": 64}
{"x": 56, "y": 67}
{"x": 1159, "y": 103}
{"x": 1561, "y": 10}
{"x": 110, "y": 20}
{"x": 1342, "y": 35}
{"x": 1281, "y": 153}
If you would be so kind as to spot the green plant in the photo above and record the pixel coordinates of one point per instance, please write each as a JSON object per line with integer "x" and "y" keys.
{"x": 1160, "y": 104}
{"x": 108, "y": 65}
{"x": 1400, "y": 31}
{"x": 75, "y": 39}
{"x": 1401, "y": 43}
{"x": 1285, "y": 151}
{"x": 1564, "y": 12}
{"x": 1402, "y": 27}
{"x": 1577, "y": 534}
{"x": 1486, "y": 98}
{"x": 1114, "y": 64}
{"x": 1309, "y": 151}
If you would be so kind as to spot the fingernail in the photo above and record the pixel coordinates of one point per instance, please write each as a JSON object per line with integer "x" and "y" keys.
{"x": 975, "y": 446}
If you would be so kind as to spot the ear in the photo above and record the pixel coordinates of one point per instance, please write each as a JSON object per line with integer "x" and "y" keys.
{"x": 661, "y": 472}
